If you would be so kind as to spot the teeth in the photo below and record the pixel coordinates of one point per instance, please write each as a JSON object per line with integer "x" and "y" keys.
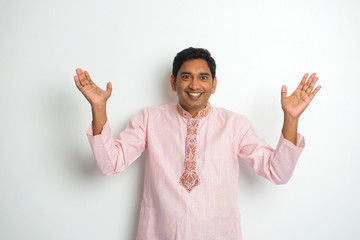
{"x": 194, "y": 94}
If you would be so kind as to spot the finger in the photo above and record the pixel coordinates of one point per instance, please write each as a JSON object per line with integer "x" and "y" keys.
{"x": 307, "y": 84}
{"x": 312, "y": 95}
{"x": 302, "y": 82}
{"x": 82, "y": 77}
{"x": 88, "y": 78}
{"x": 283, "y": 92}
{"x": 79, "y": 73}
{"x": 108, "y": 89}
{"x": 77, "y": 82}
{"x": 312, "y": 84}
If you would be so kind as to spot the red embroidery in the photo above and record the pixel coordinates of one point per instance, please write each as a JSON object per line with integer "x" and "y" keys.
{"x": 189, "y": 178}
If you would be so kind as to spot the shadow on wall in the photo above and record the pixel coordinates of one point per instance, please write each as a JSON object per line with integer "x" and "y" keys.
{"x": 59, "y": 121}
{"x": 168, "y": 95}
{"x": 64, "y": 136}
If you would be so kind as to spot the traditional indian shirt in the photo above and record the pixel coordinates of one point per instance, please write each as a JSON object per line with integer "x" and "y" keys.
{"x": 192, "y": 168}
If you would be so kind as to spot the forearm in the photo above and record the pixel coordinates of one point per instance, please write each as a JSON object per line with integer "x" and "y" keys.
{"x": 278, "y": 164}
{"x": 116, "y": 154}
{"x": 99, "y": 117}
{"x": 289, "y": 129}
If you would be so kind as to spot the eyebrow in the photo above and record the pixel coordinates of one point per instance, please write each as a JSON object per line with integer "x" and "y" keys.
{"x": 204, "y": 74}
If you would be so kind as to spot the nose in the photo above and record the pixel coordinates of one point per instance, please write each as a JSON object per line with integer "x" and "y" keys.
{"x": 194, "y": 84}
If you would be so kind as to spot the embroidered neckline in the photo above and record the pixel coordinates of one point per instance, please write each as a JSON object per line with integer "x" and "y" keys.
{"x": 201, "y": 114}
{"x": 189, "y": 178}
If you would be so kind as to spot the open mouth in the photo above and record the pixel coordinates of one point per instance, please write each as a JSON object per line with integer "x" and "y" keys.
{"x": 192, "y": 94}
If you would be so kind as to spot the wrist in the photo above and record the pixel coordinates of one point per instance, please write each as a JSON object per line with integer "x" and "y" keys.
{"x": 289, "y": 129}
{"x": 290, "y": 119}
{"x": 98, "y": 105}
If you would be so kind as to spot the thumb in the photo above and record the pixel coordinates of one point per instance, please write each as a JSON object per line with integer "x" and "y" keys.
{"x": 108, "y": 89}
{"x": 283, "y": 92}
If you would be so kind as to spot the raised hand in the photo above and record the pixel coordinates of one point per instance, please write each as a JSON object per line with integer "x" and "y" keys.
{"x": 90, "y": 90}
{"x": 295, "y": 104}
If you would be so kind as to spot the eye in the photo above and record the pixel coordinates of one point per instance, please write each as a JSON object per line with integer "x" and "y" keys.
{"x": 204, "y": 77}
{"x": 185, "y": 77}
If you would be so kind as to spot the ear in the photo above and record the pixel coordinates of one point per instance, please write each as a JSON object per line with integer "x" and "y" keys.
{"x": 214, "y": 85}
{"x": 173, "y": 83}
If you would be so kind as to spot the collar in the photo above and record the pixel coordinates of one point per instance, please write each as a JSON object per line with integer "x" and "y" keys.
{"x": 201, "y": 114}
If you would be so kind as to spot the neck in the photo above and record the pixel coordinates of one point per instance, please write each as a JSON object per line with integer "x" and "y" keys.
{"x": 193, "y": 112}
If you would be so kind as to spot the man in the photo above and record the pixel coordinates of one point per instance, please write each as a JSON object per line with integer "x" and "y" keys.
{"x": 192, "y": 150}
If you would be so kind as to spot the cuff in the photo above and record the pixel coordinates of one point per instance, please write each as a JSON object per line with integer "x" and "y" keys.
{"x": 105, "y": 134}
{"x": 300, "y": 141}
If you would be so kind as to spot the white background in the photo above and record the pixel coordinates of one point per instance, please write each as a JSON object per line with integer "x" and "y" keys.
{"x": 50, "y": 186}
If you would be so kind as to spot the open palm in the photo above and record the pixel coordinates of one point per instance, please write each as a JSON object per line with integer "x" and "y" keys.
{"x": 295, "y": 104}
{"x": 89, "y": 89}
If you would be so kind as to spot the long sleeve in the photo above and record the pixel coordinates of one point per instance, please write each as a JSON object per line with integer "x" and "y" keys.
{"x": 115, "y": 155}
{"x": 278, "y": 164}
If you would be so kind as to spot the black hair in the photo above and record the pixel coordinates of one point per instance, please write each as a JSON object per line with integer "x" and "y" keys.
{"x": 193, "y": 53}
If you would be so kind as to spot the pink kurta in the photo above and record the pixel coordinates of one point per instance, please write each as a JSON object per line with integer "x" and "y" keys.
{"x": 210, "y": 211}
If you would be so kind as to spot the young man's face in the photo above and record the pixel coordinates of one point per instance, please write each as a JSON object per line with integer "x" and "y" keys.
{"x": 193, "y": 85}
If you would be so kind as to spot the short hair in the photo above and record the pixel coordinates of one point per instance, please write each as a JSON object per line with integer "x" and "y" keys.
{"x": 193, "y": 53}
